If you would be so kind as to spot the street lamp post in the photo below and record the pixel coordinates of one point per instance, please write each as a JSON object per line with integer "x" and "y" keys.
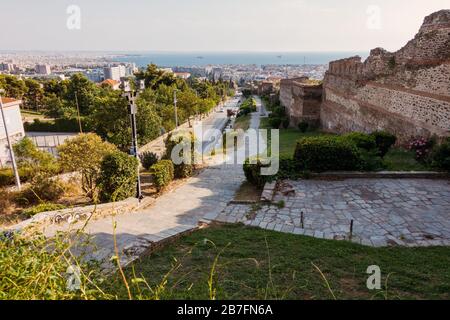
{"x": 132, "y": 110}
{"x": 11, "y": 150}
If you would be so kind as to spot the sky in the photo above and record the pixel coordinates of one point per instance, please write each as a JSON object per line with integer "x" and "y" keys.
{"x": 211, "y": 25}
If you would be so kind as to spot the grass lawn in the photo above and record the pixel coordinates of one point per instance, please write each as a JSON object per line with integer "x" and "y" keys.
{"x": 252, "y": 263}
{"x": 397, "y": 159}
{"x": 289, "y": 137}
{"x": 243, "y": 122}
{"x": 403, "y": 160}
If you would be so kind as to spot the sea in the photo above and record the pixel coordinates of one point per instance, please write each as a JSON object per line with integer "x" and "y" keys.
{"x": 174, "y": 59}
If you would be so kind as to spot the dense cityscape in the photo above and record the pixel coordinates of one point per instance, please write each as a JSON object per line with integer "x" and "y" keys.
{"x": 99, "y": 67}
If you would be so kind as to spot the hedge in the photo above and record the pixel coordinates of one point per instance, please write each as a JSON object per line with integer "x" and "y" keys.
{"x": 361, "y": 140}
{"x": 384, "y": 141}
{"x": 162, "y": 173}
{"x": 441, "y": 156}
{"x": 326, "y": 153}
{"x": 57, "y": 125}
{"x": 118, "y": 177}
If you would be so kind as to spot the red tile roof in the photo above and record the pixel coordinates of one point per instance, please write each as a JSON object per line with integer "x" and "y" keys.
{"x": 111, "y": 82}
{"x": 9, "y": 100}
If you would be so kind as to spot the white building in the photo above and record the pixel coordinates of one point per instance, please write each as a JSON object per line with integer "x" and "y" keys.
{"x": 113, "y": 73}
{"x": 11, "y": 108}
{"x": 183, "y": 75}
{"x": 122, "y": 71}
{"x": 43, "y": 69}
{"x": 7, "y": 67}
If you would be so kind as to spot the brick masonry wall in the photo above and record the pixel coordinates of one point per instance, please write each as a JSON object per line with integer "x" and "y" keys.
{"x": 406, "y": 92}
{"x": 301, "y": 100}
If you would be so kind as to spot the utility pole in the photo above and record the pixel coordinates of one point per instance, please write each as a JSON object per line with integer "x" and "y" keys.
{"x": 175, "y": 105}
{"x": 78, "y": 111}
{"x": 132, "y": 110}
{"x": 11, "y": 150}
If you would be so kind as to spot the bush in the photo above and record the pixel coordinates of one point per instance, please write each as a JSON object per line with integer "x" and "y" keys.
{"x": 275, "y": 122}
{"x": 441, "y": 156}
{"x": 162, "y": 173}
{"x": 384, "y": 141}
{"x": 34, "y": 161}
{"x": 43, "y": 207}
{"x": 118, "y": 177}
{"x": 361, "y": 140}
{"x": 422, "y": 148}
{"x": 253, "y": 175}
{"x": 85, "y": 154}
{"x": 7, "y": 176}
{"x": 42, "y": 189}
{"x": 290, "y": 169}
{"x": 148, "y": 159}
{"x": 371, "y": 161}
{"x": 278, "y": 118}
{"x": 186, "y": 139}
{"x": 327, "y": 153}
{"x": 303, "y": 126}
{"x": 248, "y": 106}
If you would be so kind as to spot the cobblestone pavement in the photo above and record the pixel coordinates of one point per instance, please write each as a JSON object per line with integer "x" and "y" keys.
{"x": 385, "y": 211}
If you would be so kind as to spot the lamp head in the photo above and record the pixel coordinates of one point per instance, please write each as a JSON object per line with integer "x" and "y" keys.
{"x": 126, "y": 86}
{"x": 142, "y": 85}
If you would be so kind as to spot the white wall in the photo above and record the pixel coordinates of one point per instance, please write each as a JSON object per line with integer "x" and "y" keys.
{"x": 15, "y": 130}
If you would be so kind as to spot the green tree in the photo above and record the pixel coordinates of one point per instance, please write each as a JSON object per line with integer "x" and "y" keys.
{"x": 34, "y": 94}
{"x": 81, "y": 89}
{"x": 111, "y": 120}
{"x": 55, "y": 107}
{"x": 13, "y": 86}
{"x": 85, "y": 154}
{"x": 154, "y": 77}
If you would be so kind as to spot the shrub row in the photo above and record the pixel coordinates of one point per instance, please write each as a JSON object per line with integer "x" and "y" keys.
{"x": 327, "y": 153}
{"x": 57, "y": 125}
{"x": 353, "y": 151}
{"x": 248, "y": 106}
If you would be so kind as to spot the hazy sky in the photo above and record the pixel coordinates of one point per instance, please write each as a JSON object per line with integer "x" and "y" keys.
{"x": 213, "y": 25}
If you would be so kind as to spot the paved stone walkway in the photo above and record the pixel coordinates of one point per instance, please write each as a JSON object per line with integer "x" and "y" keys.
{"x": 385, "y": 211}
{"x": 175, "y": 212}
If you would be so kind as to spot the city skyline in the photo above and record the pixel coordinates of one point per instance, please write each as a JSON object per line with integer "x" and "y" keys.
{"x": 211, "y": 26}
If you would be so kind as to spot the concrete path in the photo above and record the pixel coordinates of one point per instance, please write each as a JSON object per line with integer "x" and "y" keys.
{"x": 202, "y": 197}
{"x": 410, "y": 212}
